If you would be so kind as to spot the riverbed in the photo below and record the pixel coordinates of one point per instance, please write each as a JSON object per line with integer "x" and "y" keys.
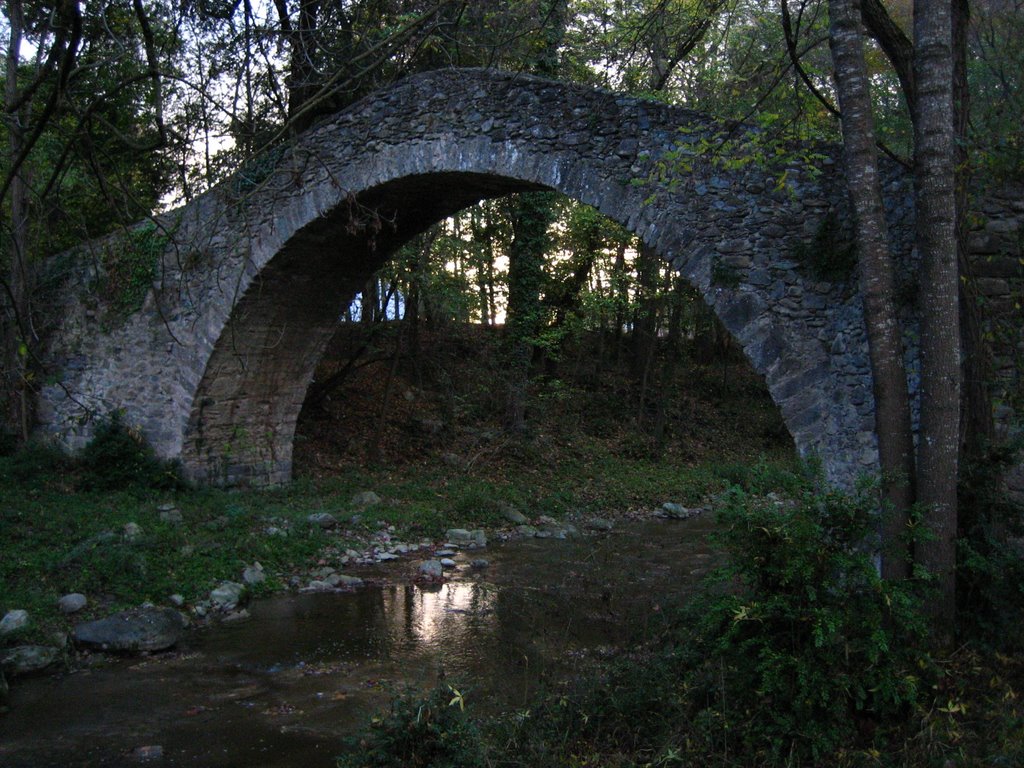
{"x": 285, "y": 686}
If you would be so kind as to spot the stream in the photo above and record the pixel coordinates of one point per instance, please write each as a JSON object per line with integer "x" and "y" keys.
{"x": 284, "y": 687}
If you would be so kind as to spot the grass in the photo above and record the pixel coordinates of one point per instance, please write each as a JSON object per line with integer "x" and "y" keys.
{"x": 59, "y": 538}
{"x": 62, "y": 523}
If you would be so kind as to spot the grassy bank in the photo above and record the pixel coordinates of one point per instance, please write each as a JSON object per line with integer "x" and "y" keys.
{"x": 65, "y": 529}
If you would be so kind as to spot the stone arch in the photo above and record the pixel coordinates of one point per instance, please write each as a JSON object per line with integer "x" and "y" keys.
{"x": 215, "y": 368}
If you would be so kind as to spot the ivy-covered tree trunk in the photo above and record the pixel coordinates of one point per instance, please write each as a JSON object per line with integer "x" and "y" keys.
{"x": 533, "y": 215}
{"x": 877, "y": 283}
{"x": 530, "y": 221}
{"x": 935, "y": 214}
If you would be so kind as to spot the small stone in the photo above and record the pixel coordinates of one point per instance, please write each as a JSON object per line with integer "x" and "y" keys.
{"x": 273, "y": 530}
{"x": 444, "y": 552}
{"x": 675, "y": 511}
{"x": 253, "y": 574}
{"x": 176, "y": 600}
{"x": 383, "y": 557}
{"x": 323, "y": 520}
{"x": 344, "y": 580}
{"x": 447, "y": 562}
{"x": 147, "y": 753}
{"x": 599, "y": 524}
{"x": 317, "y": 585}
{"x": 430, "y": 570}
{"x": 513, "y": 515}
{"x": 233, "y": 616}
{"x": 171, "y": 516}
{"x": 132, "y": 531}
{"x": 365, "y": 499}
{"x": 13, "y": 621}
{"x": 26, "y": 659}
{"x": 227, "y": 596}
{"x": 526, "y": 530}
{"x": 72, "y": 603}
{"x": 480, "y": 564}
{"x": 557, "y": 530}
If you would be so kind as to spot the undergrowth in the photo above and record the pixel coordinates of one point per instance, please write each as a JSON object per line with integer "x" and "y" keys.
{"x": 796, "y": 653}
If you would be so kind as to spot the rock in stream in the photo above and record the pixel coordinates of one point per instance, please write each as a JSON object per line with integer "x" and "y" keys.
{"x": 134, "y": 631}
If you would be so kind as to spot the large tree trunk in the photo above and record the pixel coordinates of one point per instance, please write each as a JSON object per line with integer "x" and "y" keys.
{"x": 976, "y": 424}
{"x": 530, "y": 221}
{"x": 935, "y": 209}
{"x": 892, "y": 402}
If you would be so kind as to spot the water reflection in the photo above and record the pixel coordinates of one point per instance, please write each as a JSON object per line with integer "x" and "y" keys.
{"x": 282, "y": 688}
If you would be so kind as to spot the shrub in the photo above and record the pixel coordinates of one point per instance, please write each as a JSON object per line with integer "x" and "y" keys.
{"x": 990, "y": 556}
{"x": 118, "y": 457}
{"x": 805, "y": 647}
{"x": 32, "y": 462}
{"x": 419, "y": 732}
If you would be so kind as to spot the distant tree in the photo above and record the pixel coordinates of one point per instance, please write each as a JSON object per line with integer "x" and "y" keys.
{"x": 84, "y": 124}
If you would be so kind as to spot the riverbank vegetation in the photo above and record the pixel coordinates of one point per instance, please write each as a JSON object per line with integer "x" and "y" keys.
{"x": 796, "y": 653}
{"x": 67, "y": 523}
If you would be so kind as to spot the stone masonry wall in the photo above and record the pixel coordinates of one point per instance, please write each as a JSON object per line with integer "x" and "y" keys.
{"x": 214, "y": 368}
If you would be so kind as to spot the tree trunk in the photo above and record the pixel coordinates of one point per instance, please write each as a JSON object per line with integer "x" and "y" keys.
{"x": 530, "y": 223}
{"x": 17, "y": 321}
{"x": 977, "y": 428}
{"x": 877, "y": 283}
{"x": 935, "y": 213}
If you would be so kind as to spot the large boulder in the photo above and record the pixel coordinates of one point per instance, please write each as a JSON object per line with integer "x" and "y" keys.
{"x": 134, "y": 631}
{"x": 26, "y": 659}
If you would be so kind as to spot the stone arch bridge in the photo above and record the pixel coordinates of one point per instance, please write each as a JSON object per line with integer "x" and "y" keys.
{"x": 251, "y": 277}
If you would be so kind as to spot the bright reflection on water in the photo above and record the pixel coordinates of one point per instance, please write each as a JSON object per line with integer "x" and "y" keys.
{"x": 284, "y": 687}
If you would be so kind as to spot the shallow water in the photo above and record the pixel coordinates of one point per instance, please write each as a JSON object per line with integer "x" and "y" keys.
{"x": 284, "y": 687}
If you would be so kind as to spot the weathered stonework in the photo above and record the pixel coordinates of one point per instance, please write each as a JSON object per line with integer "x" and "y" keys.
{"x": 215, "y": 366}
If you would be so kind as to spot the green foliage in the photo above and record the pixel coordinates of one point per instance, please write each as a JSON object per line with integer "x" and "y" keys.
{"x": 763, "y": 477}
{"x": 420, "y": 732}
{"x": 32, "y": 461}
{"x": 807, "y": 647}
{"x": 990, "y": 558}
{"x": 130, "y": 267}
{"x": 118, "y": 457}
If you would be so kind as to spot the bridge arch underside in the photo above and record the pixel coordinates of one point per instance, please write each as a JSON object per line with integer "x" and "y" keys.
{"x": 242, "y": 422}
{"x": 243, "y": 418}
